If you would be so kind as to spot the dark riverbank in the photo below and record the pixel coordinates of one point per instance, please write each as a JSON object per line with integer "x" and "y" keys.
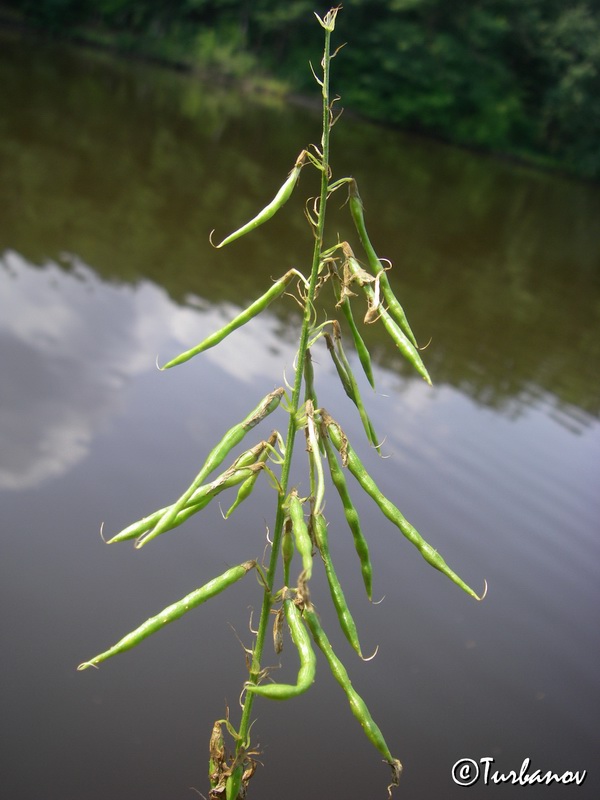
{"x": 517, "y": 80}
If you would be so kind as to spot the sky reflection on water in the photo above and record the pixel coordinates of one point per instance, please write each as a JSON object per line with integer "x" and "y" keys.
{"x": 511, "y": 499}
{"x": 103, "y": 273}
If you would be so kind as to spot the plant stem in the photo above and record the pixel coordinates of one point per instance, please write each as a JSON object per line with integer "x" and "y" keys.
{"x": 295, "y": 402}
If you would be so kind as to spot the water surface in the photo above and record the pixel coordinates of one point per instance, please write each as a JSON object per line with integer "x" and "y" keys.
{"x": 113, "y": 174}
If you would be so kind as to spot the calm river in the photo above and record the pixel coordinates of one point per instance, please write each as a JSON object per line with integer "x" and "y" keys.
{"x": 112, "y": 176}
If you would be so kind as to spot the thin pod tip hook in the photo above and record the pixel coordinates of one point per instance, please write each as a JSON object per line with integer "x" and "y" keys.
{"x": 86, "y": 664}
{"x": 263, "y": 562}
{"x": 268, "y": 535}
{"x": 255, "y": 633}
{"x": 370, "y": 658}
{"x": 140, "y": 542}
{"x": 287, "y": 383}
{"x": 379, "y": 446}
{"x": 485, "y": 590}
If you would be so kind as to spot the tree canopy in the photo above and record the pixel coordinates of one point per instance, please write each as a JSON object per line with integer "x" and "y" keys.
{"x": 520, "y": 78}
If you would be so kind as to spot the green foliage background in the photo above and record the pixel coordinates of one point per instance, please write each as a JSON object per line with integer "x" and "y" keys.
{"x": 520, "y": 77}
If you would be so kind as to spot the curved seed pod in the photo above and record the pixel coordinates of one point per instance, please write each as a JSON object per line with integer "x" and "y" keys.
{"x": 282, "y": 196}
{"x": 301, "y": 534}
{"x": 347, "y": 624}
{"x": 351, "y": 514}
{"x": 173, "y": 612}
{"x": 308, "y": 661}
{"x": 216, "y": 457}
{"x": 406, "y": 347}
{"x": 357, "y": 212}
{"x": 252, "y": 311}
{"x": 355, "y": 466}
{"x": 357, "y": 704}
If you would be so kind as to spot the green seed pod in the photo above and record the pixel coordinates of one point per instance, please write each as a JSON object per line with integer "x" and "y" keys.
{"x": 287, "y": 550}
{"x": 308, "y": 661}
{"x": 252, "y": 311}
{"x": 247, "y": 486}
{"x": 278, "y": 631}
{"x": 345, "y": 381}
{"x": 173, "y": 612}
{"x": 309, "y": 378}
{"x": 216, "y": 457}
{"x": 352, "y": 518}
{"x": 361, "y": 348}
{"x": 389, "y": 509}
{"x": 347, "y": 624}
{"x": 402, "y": 343}
{"x": 357, "y": 704}
{"x": 349, "y": 381}
{"x": 376, "y": 309}
{"x": 239, "y": 471}
{"x": 234, "y": 783}
{"x": 282, "y": 196}
{"x": 301, "y": 534}
{"x": 357, "y": 212}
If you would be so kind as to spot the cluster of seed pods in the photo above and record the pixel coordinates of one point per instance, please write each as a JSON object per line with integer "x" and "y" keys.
{"x": 302, "y": 527}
